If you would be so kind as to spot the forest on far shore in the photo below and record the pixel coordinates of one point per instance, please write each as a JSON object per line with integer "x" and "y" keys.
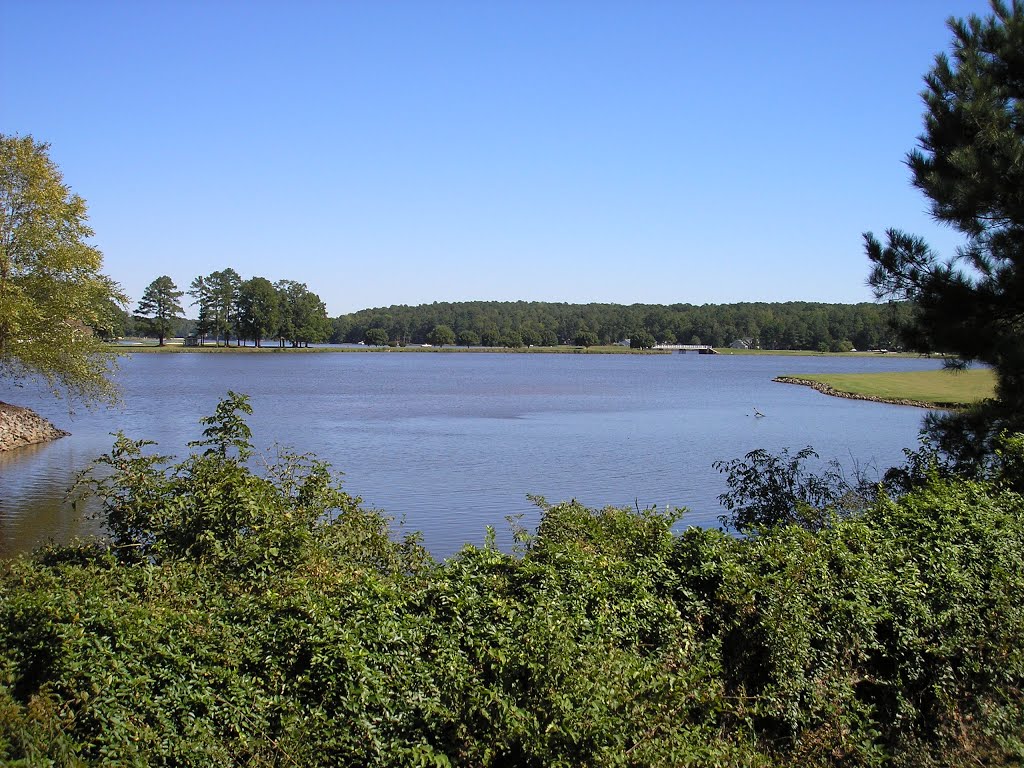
{"x": 790, "y": 325}
{"x": 800, "y": 325}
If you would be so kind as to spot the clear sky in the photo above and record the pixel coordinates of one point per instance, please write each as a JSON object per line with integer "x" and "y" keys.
{"x": 409, "y": 152}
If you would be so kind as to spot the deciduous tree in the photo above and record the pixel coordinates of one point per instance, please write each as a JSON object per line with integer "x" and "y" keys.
{"x": 469, "y": 338}
{"x": 441, "y": 335}
{"x": 511, "y": 339}
{"x": 377, "y": 337}
{"x": 530, "y": 336}
{"x": 490, "y": 337}
{"x": 303, "y": 315}
{"x": 641, "y": 340}
{"x": 259, "y": 309}
{"x": 54, "y": 301}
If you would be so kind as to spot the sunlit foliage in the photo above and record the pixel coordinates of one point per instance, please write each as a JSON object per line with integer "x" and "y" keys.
{"x": 267, "y": 618}
{"x": 55, "y": 304}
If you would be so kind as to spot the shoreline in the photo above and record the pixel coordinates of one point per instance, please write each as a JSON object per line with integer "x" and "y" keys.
{"x": 827, "y": 389}
{"x": 411, "y": 349}
{"x": 177, "y": 348}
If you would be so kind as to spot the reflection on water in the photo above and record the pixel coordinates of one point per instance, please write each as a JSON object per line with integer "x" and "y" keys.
{"x": 453, "y": 443}
{"x": 33, "y": 508}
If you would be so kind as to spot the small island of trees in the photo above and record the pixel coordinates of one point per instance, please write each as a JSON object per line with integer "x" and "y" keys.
{"x": 229, "y": 307}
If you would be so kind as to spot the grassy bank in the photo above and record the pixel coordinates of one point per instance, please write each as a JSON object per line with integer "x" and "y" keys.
{"x": 942, "y": 388}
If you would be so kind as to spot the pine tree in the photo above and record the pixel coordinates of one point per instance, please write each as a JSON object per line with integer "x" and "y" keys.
{"x": 970, "y": 164}
{"x": 160, "y": 306}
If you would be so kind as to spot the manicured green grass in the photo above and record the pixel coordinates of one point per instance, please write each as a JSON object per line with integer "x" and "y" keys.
{"x": 940, "y": 387}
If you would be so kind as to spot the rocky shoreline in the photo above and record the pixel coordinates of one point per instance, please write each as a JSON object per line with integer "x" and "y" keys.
{"x": 20, "y": 427}
{"x": 826, "y": 389}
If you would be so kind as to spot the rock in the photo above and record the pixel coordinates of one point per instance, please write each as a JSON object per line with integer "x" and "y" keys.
{"x": 21, "y": 426}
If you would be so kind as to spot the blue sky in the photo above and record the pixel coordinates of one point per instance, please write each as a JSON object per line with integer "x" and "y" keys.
{"x": 409, "y": 152}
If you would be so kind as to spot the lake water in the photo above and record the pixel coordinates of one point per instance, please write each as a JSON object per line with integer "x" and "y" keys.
{"x": 452, "y": 443}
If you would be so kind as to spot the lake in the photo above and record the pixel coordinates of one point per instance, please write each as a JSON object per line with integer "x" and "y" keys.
{"x": 452, "y": 443}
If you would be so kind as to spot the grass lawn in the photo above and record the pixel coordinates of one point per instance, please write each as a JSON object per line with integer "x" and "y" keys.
{"x": 940, "y": 387}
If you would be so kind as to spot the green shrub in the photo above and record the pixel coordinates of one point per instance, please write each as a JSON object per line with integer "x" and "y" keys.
{"x": 892, "y": 637}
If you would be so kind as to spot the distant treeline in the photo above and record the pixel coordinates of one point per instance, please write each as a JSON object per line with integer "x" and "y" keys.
{"x": 790, "y": 325}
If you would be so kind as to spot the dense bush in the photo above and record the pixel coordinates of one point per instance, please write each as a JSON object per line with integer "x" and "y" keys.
{"x": 767, "y": 489}
{"x": 892, "y": 637}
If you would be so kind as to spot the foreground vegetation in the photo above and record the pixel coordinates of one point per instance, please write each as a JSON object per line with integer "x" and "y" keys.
{"x": 244, "y": 619}
{"x": 942, "y": 387}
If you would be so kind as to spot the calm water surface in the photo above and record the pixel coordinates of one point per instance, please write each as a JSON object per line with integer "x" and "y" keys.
{"x": 452, "y": 443}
